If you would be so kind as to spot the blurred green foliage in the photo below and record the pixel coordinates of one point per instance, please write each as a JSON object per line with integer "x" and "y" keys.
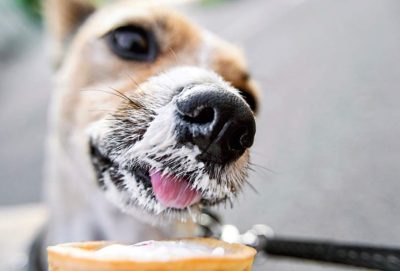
{"x": 31, "y": 8}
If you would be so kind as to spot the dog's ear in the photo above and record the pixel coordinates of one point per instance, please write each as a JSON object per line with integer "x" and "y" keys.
{"x": 63, "y": 18}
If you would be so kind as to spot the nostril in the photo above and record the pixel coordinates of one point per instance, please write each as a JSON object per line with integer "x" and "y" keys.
{"x": 201, "y": 116}
{"x": 239, "y": 140}
{"x": 246, "y": 140}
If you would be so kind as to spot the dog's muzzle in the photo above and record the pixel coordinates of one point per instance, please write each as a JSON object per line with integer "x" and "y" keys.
{"x": 184, "y": 145}
{"x": 218, "y": 122}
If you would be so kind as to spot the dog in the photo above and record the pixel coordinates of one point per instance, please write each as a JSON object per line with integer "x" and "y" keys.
{"x": 151, "y": 120}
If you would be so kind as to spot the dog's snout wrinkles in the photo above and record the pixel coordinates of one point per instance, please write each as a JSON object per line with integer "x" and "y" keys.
{"x": 219, "y": 122}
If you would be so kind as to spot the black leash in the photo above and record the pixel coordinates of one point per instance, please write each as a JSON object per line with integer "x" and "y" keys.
{"x": 262, "y": 238}
{"x": 373, "y": 257}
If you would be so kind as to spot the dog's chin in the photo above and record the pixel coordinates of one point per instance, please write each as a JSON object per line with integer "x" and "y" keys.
{"x": 132, "y": 189}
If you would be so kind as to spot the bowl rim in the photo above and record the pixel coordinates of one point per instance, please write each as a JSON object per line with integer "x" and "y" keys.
{"x": 82, "y": 253}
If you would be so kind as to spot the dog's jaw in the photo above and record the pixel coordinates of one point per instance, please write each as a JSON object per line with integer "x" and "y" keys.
{"x": 126, "y": 147}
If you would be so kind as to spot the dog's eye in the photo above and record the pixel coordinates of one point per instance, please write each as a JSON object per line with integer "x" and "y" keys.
{"x": 133, "y": 43}
{"x": 249, "y": 98}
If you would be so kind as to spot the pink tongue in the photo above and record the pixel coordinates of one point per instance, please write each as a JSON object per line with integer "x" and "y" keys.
{"x": 173, "y": 192}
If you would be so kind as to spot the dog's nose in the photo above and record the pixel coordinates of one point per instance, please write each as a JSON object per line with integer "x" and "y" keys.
{"x": 219, "y": 122}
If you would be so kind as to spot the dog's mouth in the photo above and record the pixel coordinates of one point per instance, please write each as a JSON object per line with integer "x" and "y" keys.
{"x": 150, "y": 189}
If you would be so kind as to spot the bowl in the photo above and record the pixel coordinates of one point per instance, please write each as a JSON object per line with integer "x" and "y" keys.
{"x": 188, "y": 254}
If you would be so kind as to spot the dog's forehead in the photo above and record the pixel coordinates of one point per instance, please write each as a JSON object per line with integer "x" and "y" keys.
{"x": 172, "y": 28}
{"x": 145, "y": 13}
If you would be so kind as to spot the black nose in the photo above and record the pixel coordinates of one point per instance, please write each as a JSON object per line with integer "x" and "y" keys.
{"x": 220, "y": 123}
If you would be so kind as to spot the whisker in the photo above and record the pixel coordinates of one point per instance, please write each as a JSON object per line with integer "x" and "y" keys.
{"x": 252, "y": 187}
{"x": 251, "y": 168}
{"x": 101, "y": 110}
{"x": 230, "y": 202}
{"x": 104, "y": 91}
{"x": 114, "y": 119}
{"x": 164, "y": 86}
{"x": 264, "y": 168}
{"x": 134, "y": 81}
{"x": 262, "y": 155}
{"x": 136, "y": 104}
{"x": 171, "y": 50}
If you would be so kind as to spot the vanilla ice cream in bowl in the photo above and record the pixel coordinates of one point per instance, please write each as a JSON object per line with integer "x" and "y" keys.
{"x": 194, "y": 254}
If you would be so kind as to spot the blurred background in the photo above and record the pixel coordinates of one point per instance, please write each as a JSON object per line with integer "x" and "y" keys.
{"x": 327, "y": 151}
